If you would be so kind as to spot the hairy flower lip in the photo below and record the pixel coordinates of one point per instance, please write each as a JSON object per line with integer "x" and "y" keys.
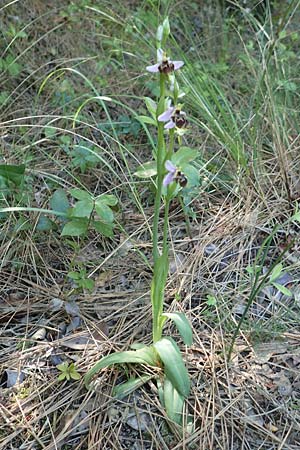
{"x": 164, "y": 65}
{"x": 174, "y": 174}
{"x": 174, "y": 117}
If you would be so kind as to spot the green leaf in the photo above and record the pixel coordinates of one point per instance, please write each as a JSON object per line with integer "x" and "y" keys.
{"x": 183, "y": 156}
{"x": 62, "y": 367}
{"x": 161, "y": 107}
{"x": 104, "y": 211}
{"x": 74, "y": 275}
{"x": 22, "y": 224}
{"x": 50, "y": 132}
{"x": 151, "y": 106}
{"x": 124, "y": 389}
{"x": 147, "y": 170}
{"x": 137, "y": 346}
{"x": 276, "y": 272}
{"x": 175, "y": 369}
{"x": 157, "y": 290}
{"x": 147, "y": 119}
{"x": 160, "y": 390}
{"x": 61, "y": 377}
{"x": 45, "y": 224}
{"x": 14, "y": 69}
{"x": 88, "y": 284}
{"x": 80, "y": 194}
{"x": 250, "y": 270}
{"x": 14, "y": 173}
{"x": 144, "y": 355}
{"x": 75, "y": 227}
{"x": 166, "y": 29}
{"x": 59, "y": 201}
{"x": 173, "y": 402}
{"x": 103, "y": 228}
{"x": 83, "y": 208}
{"x": 282, "y": 289}
{"x": 192, "y": 175}
{"x": 296, "y": 217}
{"x": 21, "y": 34}
{"x": 211, "y": 300}
{"x": 75, "y": 376}
{"x": 4, "y": 95}
{"x": 182, "y": 325}
{"x": 108, "y": 199}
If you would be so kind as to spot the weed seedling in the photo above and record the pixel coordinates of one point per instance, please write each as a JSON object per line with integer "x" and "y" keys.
{"x": 68, "y": 372}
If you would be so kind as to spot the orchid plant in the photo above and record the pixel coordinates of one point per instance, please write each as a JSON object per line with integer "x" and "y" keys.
{"x": 171, "y": 161}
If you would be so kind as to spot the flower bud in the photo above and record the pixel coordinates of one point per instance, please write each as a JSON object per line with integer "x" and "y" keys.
{"x": 166, "y": 30}
{"x": 159, "y": 35}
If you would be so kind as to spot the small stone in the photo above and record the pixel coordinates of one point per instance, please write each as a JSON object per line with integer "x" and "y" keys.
{"x": 140, "y": 422}
{"x": 14, "y": 377}
{"x": 56, "y": 304}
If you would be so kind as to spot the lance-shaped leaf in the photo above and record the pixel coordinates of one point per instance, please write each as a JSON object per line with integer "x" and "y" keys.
{"x": 144, "y": 355}
{"x": 276, "y": 272}
{"x": 173, "y": 402}
{"x": 157, "y": 293}
{"x": 284, "y": 290}
{"x": 182, "y": 325}
{"x": 151, "y": 106}
{"x": 175, "y": 369}
{"x": 124, "y": 389}
{"x": 147, "y": 119}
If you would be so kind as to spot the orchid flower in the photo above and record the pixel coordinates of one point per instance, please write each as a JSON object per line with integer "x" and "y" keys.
{"x": 164, "y": 64}
{"x": 174, "y": 117}
{"x": 167, "y": 117}
{"x": 174, "y": 175}
{"x": 171, "y": 175}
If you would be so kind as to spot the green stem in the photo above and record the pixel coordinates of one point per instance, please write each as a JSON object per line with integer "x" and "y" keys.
{"x": 166, "y": 223}
{"x": 160, "y": 276}
{"x": 160, "y": 171}
{"x": 158, "y": 282}
{"x": 171, "y": 144}
{"x": 161, "y": 264}
{"x": 186, "y": 217}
